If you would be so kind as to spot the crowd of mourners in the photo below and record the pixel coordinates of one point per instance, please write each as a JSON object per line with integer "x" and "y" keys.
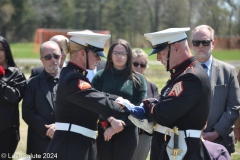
{"x": 86, "y": 107}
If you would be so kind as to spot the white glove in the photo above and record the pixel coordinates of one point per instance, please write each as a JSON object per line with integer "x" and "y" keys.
{"x": 125, "y": 103}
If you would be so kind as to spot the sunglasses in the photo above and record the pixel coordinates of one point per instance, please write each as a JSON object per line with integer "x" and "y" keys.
{"x": 135, "y": 64}
{"x": 49, "y": 56}
{"x": 204, "y": 43}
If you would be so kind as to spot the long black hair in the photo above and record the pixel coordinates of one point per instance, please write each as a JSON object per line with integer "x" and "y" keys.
{"x": 129, "y": 68}
{"x": 8, "y": 52}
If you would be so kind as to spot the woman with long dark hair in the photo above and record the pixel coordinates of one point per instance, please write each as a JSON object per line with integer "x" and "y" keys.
{"x": 120, "y": 79}
{"x": 12, "y": 83}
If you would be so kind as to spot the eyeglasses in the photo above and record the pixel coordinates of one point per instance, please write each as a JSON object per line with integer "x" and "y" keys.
{"x": 123, "y": 54}
{"x": 204, "y": 43}
{"x": 135, "y": 64}
{"x": 49, "y": 56}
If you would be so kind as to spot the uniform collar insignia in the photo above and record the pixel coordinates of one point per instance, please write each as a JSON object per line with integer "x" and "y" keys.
{"x": 181, "y": 67}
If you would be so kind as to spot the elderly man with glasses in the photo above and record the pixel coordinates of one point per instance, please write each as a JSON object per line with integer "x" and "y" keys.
{"x": 224, "y": 109}
{"x": 38, "y": 108}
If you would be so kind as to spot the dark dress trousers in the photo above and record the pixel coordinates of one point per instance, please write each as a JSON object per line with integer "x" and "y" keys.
{"x": 37, "y": 111}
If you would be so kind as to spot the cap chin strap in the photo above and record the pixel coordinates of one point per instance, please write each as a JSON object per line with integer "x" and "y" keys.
{"x": 168, "y": 57}
{"x": 87, "y": 66}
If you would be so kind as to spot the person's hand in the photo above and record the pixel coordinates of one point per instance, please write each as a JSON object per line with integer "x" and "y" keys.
{"x": 125, "y": 103}
{"x": 149, "y": 102}
{"x": 116, "y": 124}
{"x": 237, "y": 134}
{"x": 51, "y": 130}
{"x": 210, "y": 136}
{"x": 109, "y": 132}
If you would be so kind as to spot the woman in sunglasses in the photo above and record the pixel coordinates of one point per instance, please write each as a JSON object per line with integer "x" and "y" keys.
{"x": 78, "y": 104}
{"x": 140, "y": 61}
{"x": 119, "y": 78}
{"x": 12, "y": 82}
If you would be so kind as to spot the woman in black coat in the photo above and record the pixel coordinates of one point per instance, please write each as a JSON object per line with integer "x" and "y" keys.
{"x": 12, "y": 82}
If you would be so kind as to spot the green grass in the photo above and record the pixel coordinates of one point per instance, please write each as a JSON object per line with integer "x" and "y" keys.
{"x": 24, "y": 50}
{"x": 27, "y": 50}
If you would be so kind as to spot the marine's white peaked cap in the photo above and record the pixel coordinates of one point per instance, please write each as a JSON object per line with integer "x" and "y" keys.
{"x": 160, "y": 40}
{"x": 93, "y": 41}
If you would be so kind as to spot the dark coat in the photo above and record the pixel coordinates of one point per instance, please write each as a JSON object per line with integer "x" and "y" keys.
{"x": 80, "y": 104}
{"x": 184, "y": 102}
{"x": 37, "y": 111}
{"x": 11, "y": 93}
{"x": 152, "y": 91}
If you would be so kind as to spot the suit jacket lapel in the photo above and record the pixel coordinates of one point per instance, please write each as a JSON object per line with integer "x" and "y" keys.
{"x": 44, "y": 86}
{"x": 215, "y": 74}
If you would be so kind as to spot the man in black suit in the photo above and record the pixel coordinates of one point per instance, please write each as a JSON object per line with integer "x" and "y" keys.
{"x": 39, "y": 101}
{"x": 58, "y": 39}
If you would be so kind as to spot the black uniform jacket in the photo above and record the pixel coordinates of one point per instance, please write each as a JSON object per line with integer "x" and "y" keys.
{"x": 11, "y": 93}
{"x": 38, "y": 111}
{"x": 80, "y": 104}
{"x": 184, "y": 102}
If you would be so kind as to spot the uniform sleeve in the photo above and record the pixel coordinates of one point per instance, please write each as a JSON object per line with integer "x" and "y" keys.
{"x": 82, "y": 94}
{"x": 29, "y": 115}
{"x": 183, "y": 96}
{"x": 12, "y": 89}
{"x": 231, "y": 112}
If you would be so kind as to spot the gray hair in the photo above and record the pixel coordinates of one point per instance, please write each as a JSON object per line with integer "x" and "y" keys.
{"x": 58, "y": 38}
{"x": 204, "y": 27}
{"x": 138, "y": 52}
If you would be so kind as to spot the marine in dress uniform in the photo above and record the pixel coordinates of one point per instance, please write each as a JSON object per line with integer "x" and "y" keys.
{"x": 182, "y": 109}
{"x": 78, "y": 104}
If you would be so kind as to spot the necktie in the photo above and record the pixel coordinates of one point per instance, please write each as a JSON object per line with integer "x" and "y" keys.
{"x": 205, "y": 67}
